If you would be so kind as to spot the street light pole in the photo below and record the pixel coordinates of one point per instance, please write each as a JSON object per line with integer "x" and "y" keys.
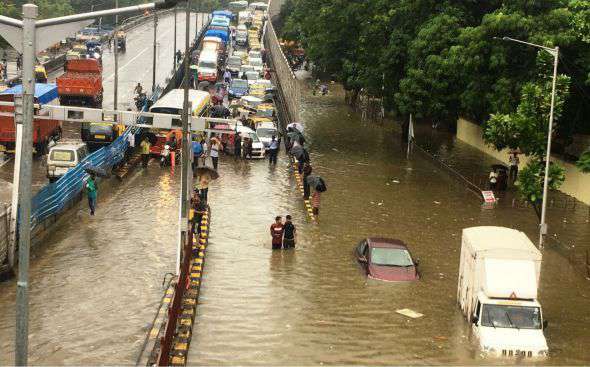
{"x": 116, "y": 87}
{"x": 555, "y": 53}
{"x": 543, "y": 227}
{"x": 30, "y": 13}
{"x": 155, "y": 55}
{"x": 184, "y": 190}
{"x": 174, "y": 51}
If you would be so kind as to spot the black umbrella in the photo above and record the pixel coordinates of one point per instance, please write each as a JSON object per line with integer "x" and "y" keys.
{"x": 97, "y": 171}
{"x": 201, "y": 171}
{"x": 297, "y": 151}
{"x": 317, "y": 183}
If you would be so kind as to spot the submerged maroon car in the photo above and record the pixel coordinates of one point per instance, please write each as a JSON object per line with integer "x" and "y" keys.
{"x": 387, "y": 259}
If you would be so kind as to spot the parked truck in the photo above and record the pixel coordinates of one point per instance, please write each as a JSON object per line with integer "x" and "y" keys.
{"x": 44, "y": 130}
{"x": 81, "y": 84}
{"x": 498, "y": 280}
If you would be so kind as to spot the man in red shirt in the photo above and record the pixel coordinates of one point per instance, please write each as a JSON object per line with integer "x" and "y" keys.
{"x": 276, "y": 232}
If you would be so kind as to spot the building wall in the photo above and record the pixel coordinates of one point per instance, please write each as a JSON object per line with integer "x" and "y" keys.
{"x": 577, "y": 184}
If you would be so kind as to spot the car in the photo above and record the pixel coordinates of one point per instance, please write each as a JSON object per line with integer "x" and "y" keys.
{"x": 387, "y": 259}
{"x": 64, "y": 156}
{"x": 252, "y": 76}
{"x": 254, "y": 55}
{"x": 233, "y": 64}
{"x": 265, "y": 132}
{"x": 238, "y": 88}
{"x": 257, "y": 64}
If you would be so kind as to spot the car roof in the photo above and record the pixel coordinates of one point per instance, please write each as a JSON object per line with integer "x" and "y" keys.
{"x": 386, "y": 243}
{"x": 67, "y": 146}
{"x": 267, "y": 125}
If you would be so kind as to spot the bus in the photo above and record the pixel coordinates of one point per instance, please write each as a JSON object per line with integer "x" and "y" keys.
{"x": 172, "y": 103}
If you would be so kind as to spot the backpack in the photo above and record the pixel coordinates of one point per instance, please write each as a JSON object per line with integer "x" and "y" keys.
{"x": 321, "y": 186}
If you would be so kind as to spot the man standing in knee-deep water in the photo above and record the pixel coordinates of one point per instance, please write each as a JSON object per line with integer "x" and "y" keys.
{"x": 276, "y": 232}
{"x": 289, "y": 234}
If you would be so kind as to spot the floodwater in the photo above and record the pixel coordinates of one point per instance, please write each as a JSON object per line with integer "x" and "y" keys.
{"x": 95, "y": 283}
{"x": 313, "y": 305}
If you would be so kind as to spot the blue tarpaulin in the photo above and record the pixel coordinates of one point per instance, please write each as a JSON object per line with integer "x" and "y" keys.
{"x": 44, "y": 93}
{"x": 223, "y": 13}
{"x": 224, "y": 35}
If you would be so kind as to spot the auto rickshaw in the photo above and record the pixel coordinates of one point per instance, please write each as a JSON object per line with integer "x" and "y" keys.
{"x": 40, "y": 74}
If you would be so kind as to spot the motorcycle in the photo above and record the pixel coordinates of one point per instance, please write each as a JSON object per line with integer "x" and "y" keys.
{"x": 165, "y": 156}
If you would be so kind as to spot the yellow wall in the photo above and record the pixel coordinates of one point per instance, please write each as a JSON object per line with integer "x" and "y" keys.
{"x": 577, "y": 184}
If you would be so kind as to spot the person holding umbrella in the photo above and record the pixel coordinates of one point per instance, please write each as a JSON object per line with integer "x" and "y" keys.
{"x": 91, "y": 189}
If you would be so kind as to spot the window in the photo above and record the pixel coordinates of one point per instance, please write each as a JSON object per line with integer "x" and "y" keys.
{"x": 391, "y": 257}
{"x": 513, "y": 317}
{"x": 60, "y": 155}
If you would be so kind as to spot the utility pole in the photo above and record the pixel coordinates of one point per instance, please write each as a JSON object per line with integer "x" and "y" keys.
{"x": 116, "y": 87}
{"x": 174, "y": 51}
{"x": 155, "y": 52}
{"x": 30, "y": 13}
{"x": 185, "y": 181}
{"x": 555, "y": 53}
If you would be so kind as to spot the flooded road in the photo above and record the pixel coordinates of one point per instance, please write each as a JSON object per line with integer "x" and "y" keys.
{"x": 95, "y": 283}
{"x": 313, "y": 305}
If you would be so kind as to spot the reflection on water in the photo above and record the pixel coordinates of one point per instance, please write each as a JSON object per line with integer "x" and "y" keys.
{"x": 314, "y": 305}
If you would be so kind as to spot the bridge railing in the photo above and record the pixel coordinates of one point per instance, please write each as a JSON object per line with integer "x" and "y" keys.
{"x": 285, "y": 78}
{"x": 4, "y": 234}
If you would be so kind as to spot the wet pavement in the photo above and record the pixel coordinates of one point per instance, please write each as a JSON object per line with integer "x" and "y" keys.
{"x": 313, "y": 305}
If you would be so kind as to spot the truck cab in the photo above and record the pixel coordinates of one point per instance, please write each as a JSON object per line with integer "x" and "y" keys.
{"x": 499, "y": 275}
{"x": 63, "y": 157}
{"x": 509, "y": 328}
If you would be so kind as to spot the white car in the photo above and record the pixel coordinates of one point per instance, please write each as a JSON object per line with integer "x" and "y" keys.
{"x": 254, "y": 55}
{"x": 258, "y": 150}
{"x": 257, "y": 64}
{"x": 252, "y": 76}
{"x": 63, "y": 157}
{"x": 265, "y": 132}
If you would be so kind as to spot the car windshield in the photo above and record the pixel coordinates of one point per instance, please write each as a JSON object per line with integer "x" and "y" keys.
{"x": 264, "y": 112}
{"x": 254, "y": 137}
{"x": 266, "y": 132}
{"x": 207, "y": 64}
{"x": 513, "y": 317}
{"x": 239, "y": 83}
{"x": 60, "y": 155}
{"x": 390, "y": 257}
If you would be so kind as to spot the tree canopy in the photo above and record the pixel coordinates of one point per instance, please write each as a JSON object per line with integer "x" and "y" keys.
{"x": 442, "y": 59}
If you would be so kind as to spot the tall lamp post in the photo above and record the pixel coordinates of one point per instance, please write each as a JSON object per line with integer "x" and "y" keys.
{"x": 28, "y": 36}
{"x": 555, "y": 53}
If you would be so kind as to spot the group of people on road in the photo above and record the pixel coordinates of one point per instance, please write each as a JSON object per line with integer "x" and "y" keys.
{"x": 498, "y": 179}
{"x": 284, "y": 234}
{"x": 203, "y": 149}
{"x": 296, "y": 147}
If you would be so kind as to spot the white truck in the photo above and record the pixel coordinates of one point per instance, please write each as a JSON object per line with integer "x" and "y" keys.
{"x": 497, "y": 291}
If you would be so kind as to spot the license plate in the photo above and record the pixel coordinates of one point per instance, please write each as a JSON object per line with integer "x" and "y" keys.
{"x": 100, "y": 137}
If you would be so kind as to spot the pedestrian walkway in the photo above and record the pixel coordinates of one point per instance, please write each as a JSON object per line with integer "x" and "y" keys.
{"x": 568, "y": 219}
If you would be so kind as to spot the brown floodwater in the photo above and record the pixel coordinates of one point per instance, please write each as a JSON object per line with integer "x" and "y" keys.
{"x": 95, "y": 283}
{"x": 313, "y": 305}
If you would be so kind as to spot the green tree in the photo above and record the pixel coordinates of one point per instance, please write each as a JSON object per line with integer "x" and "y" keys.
{"x": 527, "y": 129}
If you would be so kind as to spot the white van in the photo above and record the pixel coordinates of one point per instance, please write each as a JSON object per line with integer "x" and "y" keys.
{"x": 64, "y": 156}
{"x": 499, "y": 277}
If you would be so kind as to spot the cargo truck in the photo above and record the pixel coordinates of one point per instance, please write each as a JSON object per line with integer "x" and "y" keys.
{"x": 81, "y": 84}
{"x": 497, "y": 292}
{"x": 44, "y": 130}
